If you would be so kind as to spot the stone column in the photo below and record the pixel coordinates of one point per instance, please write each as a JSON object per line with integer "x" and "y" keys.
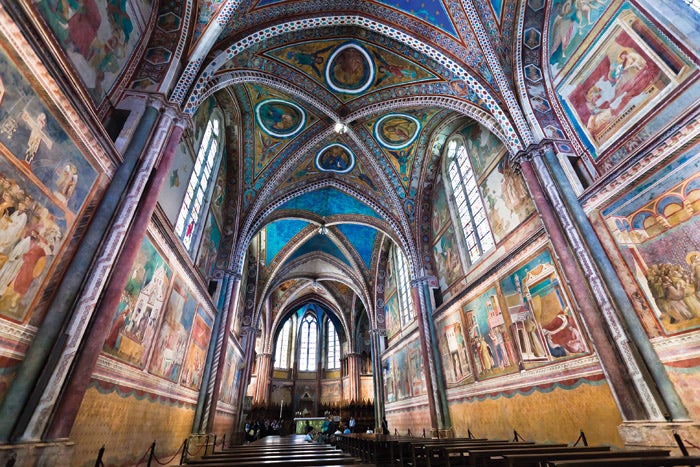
{"x": 156, "y": 170}
{"x": 354, "y": 365}
{"x": 213, "y": 375}
{"x": 376, "y": 336}
{"x": 426, "y": 344}
{"x": 635, "y": 398}
{"x": 262, "y": 388}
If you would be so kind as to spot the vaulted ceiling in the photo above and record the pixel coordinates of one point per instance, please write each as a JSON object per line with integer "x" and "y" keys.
{"x": 337, "y": 114}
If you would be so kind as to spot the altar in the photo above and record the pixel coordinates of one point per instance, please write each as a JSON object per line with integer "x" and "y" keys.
{"x": 300, "y": 423}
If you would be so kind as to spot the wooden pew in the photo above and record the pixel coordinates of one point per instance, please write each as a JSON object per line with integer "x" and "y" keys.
{"x": 661, "y": 461}
{"x": 540, "y": 459}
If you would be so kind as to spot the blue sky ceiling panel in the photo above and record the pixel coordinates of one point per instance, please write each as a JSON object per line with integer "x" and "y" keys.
{"x": 362, "y": 239}
{"x": 319, "y": 243}
{"x": 328, "y": 202}
{"x": 279, "y": 233}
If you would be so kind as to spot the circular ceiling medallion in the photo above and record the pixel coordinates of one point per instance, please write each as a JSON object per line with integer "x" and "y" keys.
{"x": 396, "y": 131}
{"x": 279, "y": 118}
{"x": 336, "y": 158}
{"x": 350, "y": 69}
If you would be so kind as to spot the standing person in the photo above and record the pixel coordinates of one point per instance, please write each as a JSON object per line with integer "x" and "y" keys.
{"x": 351, "y": 424}
{"x": 385, "y": 426}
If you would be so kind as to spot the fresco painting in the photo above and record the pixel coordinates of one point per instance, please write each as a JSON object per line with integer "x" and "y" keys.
{"x": 391, "y": 310}
{"x": 571, "y": 22}
{"x": 336, "y": 158}
{"x": 218, "y": 195}
{"x": 211, "y": 239}
{"x": 507, "y": 200}
{"x": 169, "y": 352}
{"x": 482, "y": 146}
{"x": 350, "y": 68}
{"x": 657, "y": 229}
{"x": 139, "y": 309}
{"x": 415, "y": 361}
{"x": 489, "y": 338}
{"x": 454, "y": 349}
{"x": 193, "y": 367}
{"x": 619, "y": 80}
{"x": 447, "y": 259}
{"x": 227, "y": 381}
{"x": 539, "y": 307}
{"x": 175, "y": 186}
{"x": 396, "y": 131}
{"x": 280, "y": 118}
{"x": 388, "y": 379}
{"x": 441, "y": 212}
{"x": 98, "y": 36}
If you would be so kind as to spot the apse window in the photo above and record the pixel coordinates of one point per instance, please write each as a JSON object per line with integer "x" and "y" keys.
{"x": 469, "y": 206}
{"x": 198, "y": 189}
{"x": 307, "y": 346}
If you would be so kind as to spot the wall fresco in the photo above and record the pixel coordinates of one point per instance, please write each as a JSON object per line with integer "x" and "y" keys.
{"x": 538, "y": 306}
{"x": 193, "y": 368}
{"x": 169, "y": 352}
{"x": 441, "y": 211}
{"x": 209, "y": 246}
{"x": 44, "y": 183}
{"x": 175, "y": 185}
{"x": 656, "y": 227}
{"x": 454, "y": 348}
{"x": 229, "y": 381}
{"x": 99, "y": 37}
{"x": 391, "y": 311}
{"x": 446, "y": 254}
{"x": 139, "y": 309}
{"x": 490, "y": 342}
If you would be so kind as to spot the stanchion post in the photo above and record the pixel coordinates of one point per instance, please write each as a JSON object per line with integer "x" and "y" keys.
{"x": 213, "y": 446}
{"x": 183, "y": 457}
{"x": 206, "y": 445}
{"x": 98, "y": 461}
{"x": 151, "y": 454}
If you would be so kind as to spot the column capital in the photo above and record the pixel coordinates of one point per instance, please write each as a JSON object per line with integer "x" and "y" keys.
{"x": 431, "y": 282}
{"x": 233, "y": 274}
{"x": 532, "y": 151}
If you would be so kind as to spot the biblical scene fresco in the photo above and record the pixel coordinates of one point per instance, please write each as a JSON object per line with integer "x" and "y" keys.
{"x": 397, "y": 135}
{"x": 490, "y": 342}
{"x": 229, "y": 381}
{"x": 391, "y": 311}
{"x": 656, "y": 227}
{"x": 350, "y": 68}
{"x": 193, "y": 367}
{"x": 278, "y": 118}
{"x": 571, "y": 22}
{"x": 139, "y": 309}
{"x": 219, "y": 191}
{"x": 441, "y": 211}
{"x": 619, "y": 80}
{"x": 211, "y": 239}
{"x": 507, "y": 200}
{"x": 200, "y": 120}
{"x": 99, "y": 37}
{"x": 336, "y": 158}
{"x": 169, "y": 352}
{"x": 540, "y": 311}
{"x": 175, "y": 186}
{"x": 415, "y": 368}
{"x": 482, "y": 146}
{"x": 44, "y": 184}
{"x": 454, "y": 348}
{"x": 449, "y": 265}
{"x": 404, "y": 376}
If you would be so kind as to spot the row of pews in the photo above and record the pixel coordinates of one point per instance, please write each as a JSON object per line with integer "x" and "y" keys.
{"x": 388, "y": 450}
{"x": 289, "y": 451}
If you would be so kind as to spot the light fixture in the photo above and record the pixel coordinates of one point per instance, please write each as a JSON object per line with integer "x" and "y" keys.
{"x": 340, "y": 128}
{"x": 323, "y": 230}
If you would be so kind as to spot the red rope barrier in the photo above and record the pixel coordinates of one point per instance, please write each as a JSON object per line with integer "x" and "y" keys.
{"x": 143, "y": 457}
{"x": 196, "y": 452}
{"x": 171, "y": 459}
{"x": 691, "y": 444}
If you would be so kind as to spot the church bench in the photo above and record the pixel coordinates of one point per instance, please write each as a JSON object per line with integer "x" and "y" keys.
{"x": 254, "y": 459}
{"x": 661, "y": 461}
{"x": 541, "y": 459}
{"x": 477, "y": 456}
{"x": 435, "y": 454}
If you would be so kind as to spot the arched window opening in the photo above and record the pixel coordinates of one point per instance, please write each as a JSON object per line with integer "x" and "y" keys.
{"x": 469, "y": 206}
{"x": 333, "y": 343}
{"x": 403, "y": 287}
{"x": 197, "y": 193}
{"x": 282, "y": 354}
{"x": 308, "y": 331}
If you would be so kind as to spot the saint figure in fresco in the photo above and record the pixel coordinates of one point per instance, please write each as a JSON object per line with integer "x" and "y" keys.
{"x": 36, "y": 135}
{"x": 349, "y": 67}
